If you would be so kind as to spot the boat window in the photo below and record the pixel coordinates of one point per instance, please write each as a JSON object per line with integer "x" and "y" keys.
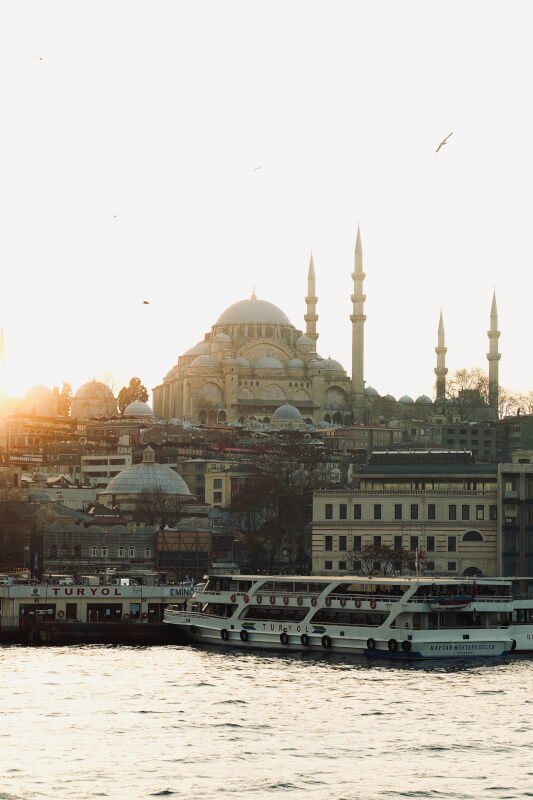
{"x": 275, "y": 614}
{"x": 344, "y": 617}
{"x": 284, "y": 587}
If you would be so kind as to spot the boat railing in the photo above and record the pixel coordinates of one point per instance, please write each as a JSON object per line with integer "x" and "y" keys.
{"x": 461, "y": 599}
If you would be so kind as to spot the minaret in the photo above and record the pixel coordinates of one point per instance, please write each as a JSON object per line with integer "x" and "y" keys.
{"x": 311, "y": 317}
{"x": 440, "y": 369}
{"x": 358, "y": 320}
{"x": 493, "y": 357}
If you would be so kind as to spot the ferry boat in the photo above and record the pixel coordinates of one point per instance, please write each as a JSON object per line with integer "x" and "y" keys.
{"x": 409, "y": 618}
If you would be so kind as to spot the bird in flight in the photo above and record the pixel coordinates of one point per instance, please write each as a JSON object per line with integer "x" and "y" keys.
{"x": 444, "y": 141}
{"x": 146, "y": 302}
{"x": 256, "y": 168}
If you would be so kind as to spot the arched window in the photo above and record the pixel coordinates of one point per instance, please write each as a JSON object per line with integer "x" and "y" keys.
{"x": 472, "y": 536}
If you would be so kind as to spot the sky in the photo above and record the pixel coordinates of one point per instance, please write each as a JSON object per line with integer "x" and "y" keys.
{"x": 130, "y": 139}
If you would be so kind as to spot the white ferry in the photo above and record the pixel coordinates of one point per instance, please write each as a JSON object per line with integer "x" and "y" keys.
{"x": 412, "y": 618}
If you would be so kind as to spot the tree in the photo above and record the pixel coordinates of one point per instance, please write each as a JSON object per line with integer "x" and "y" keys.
{"x": 65, "y": 400}
{"x": 383, "y": 560}
{"x": 128, "y": 394}
{"x": 469, "y": 390}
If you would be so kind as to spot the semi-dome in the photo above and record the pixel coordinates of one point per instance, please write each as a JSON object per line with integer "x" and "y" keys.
{"x": 287, "y": 412}
{"x": 221, "y": 338}
{"x": 405, "y": 399}
{"x": 371, "y": 390}
{"x": 243, "y": 362}
{"x": 147, "y": 478}
{"x": 390, "y": 398}
{"x": 138, "y": 409}
{"x": 268, "y": 362}
{"x": 424, "y": 400}
{"x": 330, "y": 363}
{"x": 200, "y": 349}
{"x": 296, "y": 363}
{"x": 204, "y": 361}
{"x": 253, "y": 311}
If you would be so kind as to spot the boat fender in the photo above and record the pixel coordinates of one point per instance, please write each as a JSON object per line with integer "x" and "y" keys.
{"x": 224, "y": 635}
{"x": 328, "y": 601}
{"x": 343, "y": 601}
{"x": 406, "y": 646}
{"x": 300, "y": 601}
{"x": 245, "y": 598}
{"x": 244, "y": 635}
{"x": 313, "y": 601}
{"x": 513, "y": 645}
{"x": 326, "y": 642}
{"x": 259, "y": 599}
{"x": 373, "y": 604}
{"x": 392, "y": 645}
{"x": 357, "y": 603}
{"x": 284, "y": 639}
{"x": 272, "y": 599}
{"x": 370, "y": 644}
{"x": 233, "y": 598}
{"x": 304, "y": 638}
{"x": 285, "y": 601}
{"x": 60, "y": 614}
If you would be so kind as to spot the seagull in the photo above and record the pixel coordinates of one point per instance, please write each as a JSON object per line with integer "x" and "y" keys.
{"x": 444, "y": 141}
{"x": 256, "y": 168}
{"x": 146, "y": 302}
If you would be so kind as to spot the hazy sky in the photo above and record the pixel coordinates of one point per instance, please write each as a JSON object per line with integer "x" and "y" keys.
{"x": 130, "y": 136}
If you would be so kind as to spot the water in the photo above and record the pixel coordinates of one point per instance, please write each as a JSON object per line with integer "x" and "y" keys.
{"x": 121, "y": 722}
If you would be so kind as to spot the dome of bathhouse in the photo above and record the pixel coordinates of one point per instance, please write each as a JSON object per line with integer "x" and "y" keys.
{"x": 405, "y": 399}
{"x": 371, "y": 390}
{"x": 287, "y": 412}
{"x": 424, "y": 400}
{"x": 295, "y": 363}
{"x": 93, "y": 399}
{"x": 268, "y": 362}
{"x": 390, "y": 398}
{"x": 93, "y": 389}
{"x": 138, "y": 409}
{"x": 205, "y": 361}
{"x": 38, "y": 391}
{"x": 243, "y": 362}
{"x": 149, "y": 477}
{"x": 253, "y": 311}
{"x": 200, "y": 349}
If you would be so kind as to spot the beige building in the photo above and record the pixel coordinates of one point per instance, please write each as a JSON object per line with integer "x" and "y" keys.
{"x": 447, "y": 513}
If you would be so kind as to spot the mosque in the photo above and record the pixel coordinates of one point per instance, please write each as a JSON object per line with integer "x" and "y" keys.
{"x": 254, "y": 363}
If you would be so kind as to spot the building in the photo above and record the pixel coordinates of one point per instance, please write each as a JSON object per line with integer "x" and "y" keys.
{"x": 254, "y": 360}
{"x": 441, "y": 507}
{"x": 515, "y": 481}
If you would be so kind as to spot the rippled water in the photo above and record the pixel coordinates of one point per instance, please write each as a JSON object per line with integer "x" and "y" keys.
{"x": 120, "y": 722}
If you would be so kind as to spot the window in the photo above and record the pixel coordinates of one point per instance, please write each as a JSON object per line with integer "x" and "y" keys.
{"x": 397, "y": 511}
{"x": 493, "y": 512}
{"x": 430, "y": 566}
{"x": 357, "y": 511}
{"x": 452, "y": 544}
{"x": 465, "y": 512}
{"x": 431, "y": 511}
{"x": 94, "y": 552}
{"x": 413, "y": 543}
{"x": 472, "y": 536}
{"x": 53, "y": 551}
{"x": 398, "y": 544}
{"x": 357, "y": 544}
{"x": 328, "y": 543}
{"x": 77, "y": 549}
{"x": 328, "y": 564}
{"x": 342, "y": 564}
{"x": 414, "y": 510}
{"x": 452, "y": 566}
{"x": 480, "y": 512}
{"x": 377, "y": 511}
{"x": 342, "y": 543}
{"x": 131, "y": 552}
{"x": 104, "y": 552}
{"x": 343, "y": 511}
{"x": 452, "y": 512}
{"x": 356, "y": 565}
{"x": 121, "y": 552}
{"x": 329, "y": 511}
{"x": 430, "y": 544}
{"x": 217, "y": 483}
{"x": 377, "y": 541}
{"x": 217, "y": 497}
{"x": 148, "y": 552}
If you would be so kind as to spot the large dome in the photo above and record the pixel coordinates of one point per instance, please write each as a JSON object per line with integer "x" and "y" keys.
{"x": 138, "y": 409}
{"x": 94, "y": 389}
{"x": 147, "y": 478}
{"x": 253, "y": 311}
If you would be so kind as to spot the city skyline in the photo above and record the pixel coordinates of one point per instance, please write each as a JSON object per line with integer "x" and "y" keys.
{"x": 187, "y": 158}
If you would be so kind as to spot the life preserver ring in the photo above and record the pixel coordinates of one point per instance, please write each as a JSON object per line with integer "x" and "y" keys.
{"x": 145, "y": 615}
{"x": 245, "y": 598}
{"x": 313, "y": 601}
{"x": 372, "y": 604}
{"x": 125, "y": 616}
{"x": 370, "y": 644}
{"x": 343, "y": 601}
{"x": 328, "y": 601}
{"x": 392, "y": 644}
{"x": 244, "y": 635}
{"x": 357, "y": 603}
{"x": 272, "y": 599}
{"x": 406, "y": 645}
{"x": 233, "y": 598}
{"x": 60, "y": 614}
{"x": 224, "y": 635}
{"x": 326, "y": 642}
{"x": 300, "y": 601}
{"x": 304, "y": 638}
{"x": 258, "y": 599}
{"x": 285, "y": 601}
{"x": 284, "y": 639}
